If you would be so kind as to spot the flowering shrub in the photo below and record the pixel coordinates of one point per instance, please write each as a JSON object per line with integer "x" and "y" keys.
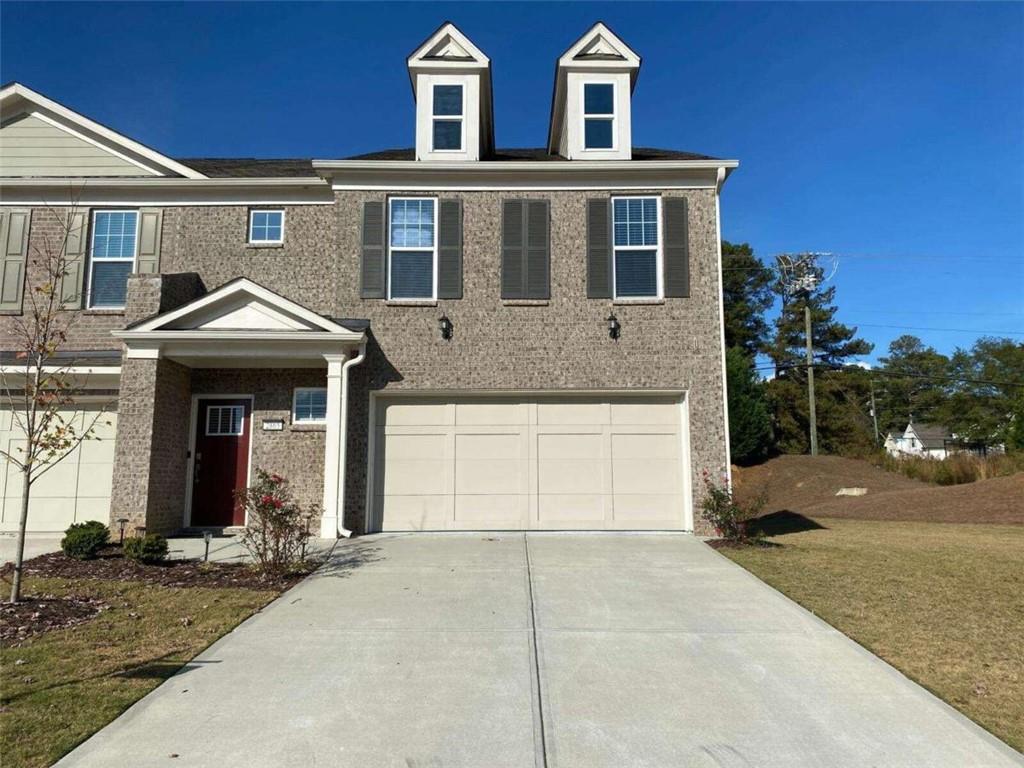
{"x": 277, "y": 527}
{"x": 728, "y": 517}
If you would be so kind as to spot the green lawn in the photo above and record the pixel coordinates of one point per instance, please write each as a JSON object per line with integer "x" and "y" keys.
{"x": 944, "y": 603}
{"x": 72, "y": 682}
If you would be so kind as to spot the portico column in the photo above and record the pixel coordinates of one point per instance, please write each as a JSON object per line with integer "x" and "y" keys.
{"x": 329, "y": 525}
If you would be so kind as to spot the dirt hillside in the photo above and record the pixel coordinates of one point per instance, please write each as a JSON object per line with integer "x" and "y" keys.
{"x": 808, "y": 486}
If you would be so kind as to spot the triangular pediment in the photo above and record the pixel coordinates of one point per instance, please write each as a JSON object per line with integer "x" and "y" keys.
{"x": 448, "y": 45}
{"x": 42, "y": 138}
{"x": 600, "y": 44}
{"x": 241, "y": 306}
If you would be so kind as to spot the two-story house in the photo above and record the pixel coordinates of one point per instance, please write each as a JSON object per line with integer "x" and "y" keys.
{"x": 450, "y": 336}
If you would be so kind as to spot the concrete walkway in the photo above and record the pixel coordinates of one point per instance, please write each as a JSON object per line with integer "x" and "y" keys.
{"x": 485, "y": 651}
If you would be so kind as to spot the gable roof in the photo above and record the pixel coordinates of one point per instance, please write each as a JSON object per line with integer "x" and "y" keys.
{"x": 243, "y": 305}
{"x": 931, "y": 435}
{"x": 17, "y": 100}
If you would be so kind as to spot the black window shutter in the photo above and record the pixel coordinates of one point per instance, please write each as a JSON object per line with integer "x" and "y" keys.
{"x": 538, "y": 249}
{"x": 599, "y": 249}
{"x": 374, "y": 272}
{"x": 676, "y": 262}
{"x": 513, "y": 239}
{"x": 449, "y": 249}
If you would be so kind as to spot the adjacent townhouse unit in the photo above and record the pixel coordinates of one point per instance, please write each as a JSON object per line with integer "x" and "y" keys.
{"x": 450, "y": 336}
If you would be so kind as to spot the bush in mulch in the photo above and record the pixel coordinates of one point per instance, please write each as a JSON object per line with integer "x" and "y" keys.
{"x": 35, "y": 615}
{"x": 110, "y": 565}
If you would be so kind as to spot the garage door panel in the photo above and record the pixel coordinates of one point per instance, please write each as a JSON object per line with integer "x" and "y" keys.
{"x": 416, "y": 513}
{"x": 578, "y": 462}
{"x": 645, "y": 476}
{"x": 664, "y": 413}
{"x": 562, "y": 445}
{"x": 492, "y": 510}
{"x": 417, "y": 413}
{"x": 572, "y": 412}
{"x": 502, "y": 412}
{"x": 568, "y": 508}
{"x": 645, "y": 510}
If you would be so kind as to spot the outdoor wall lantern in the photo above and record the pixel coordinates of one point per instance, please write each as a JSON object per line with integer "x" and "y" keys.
{"x": 613, "y": 327}
{"x": 446, "y": 327}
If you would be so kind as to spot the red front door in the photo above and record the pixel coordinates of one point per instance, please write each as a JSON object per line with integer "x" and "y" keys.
{"x": 221, "y": 461}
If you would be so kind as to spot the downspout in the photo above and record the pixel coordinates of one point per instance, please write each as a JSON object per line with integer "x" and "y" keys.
{"x": 719, "y": 181}
{"x": 343, "y": 447}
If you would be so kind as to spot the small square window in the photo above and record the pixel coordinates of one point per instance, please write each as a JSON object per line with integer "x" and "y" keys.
{"x": 448, "y": 100}
{"x": 310, "y": 406}
{"x": 448, "y": 135}
{"x": 266, "y": 226}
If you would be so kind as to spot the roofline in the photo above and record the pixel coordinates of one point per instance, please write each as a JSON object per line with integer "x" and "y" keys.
{"x": 523, "y": 165}
{"x": 16, "y": 88}
{"x": 207, "y": 182}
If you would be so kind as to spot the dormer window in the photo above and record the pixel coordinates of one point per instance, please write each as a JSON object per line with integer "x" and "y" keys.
{"x": 599, "y": 115}
{"x": 448, "y": 114}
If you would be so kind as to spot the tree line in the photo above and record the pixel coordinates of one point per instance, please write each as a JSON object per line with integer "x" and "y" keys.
{"x": 977, "y": 392}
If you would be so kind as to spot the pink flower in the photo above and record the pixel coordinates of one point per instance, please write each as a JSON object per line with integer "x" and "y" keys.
{"x": 276, "y": 479}
{"x": 267, "y": 499}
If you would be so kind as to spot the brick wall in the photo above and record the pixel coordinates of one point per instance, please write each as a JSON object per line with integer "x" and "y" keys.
{"x": 561, "y": 345}
{"x": 210, "y": 241}
{"x": 297, "y": 452}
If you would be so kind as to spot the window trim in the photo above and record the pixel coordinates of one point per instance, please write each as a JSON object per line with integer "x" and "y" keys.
{"x": 658, "y": 250}
{"x": 107, "y": 259}
{"x": 219, "y": 408}
{"x": 614, "y": 116}
{"x": 392, "y": 248}
{"x": 252, "y": 211}
{"x": 295, "y": 405}
{"x": 461, "y": 118}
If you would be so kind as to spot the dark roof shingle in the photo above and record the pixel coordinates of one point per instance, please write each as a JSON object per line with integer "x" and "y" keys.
{"x": 249, "y": 167}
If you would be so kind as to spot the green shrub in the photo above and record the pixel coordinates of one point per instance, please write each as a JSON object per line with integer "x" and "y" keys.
{"x": 150, "y": 548}
{"x": 727, "y": 516}
{"x": 83, "y": 541}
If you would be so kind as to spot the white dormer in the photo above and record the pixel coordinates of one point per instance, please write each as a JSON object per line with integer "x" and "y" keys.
{"x": 590, "y": 113}
{"x": 451, "y": 81}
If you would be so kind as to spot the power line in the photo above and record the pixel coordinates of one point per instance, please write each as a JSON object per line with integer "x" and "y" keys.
{"x": 883, "y": 372}
{"x": 923, "y": 328}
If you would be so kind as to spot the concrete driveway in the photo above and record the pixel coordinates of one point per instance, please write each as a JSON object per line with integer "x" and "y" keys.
{"x": 483, "y": 651}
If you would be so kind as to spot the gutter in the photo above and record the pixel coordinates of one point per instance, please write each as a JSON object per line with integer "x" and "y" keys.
{"x": 549, "y": 166}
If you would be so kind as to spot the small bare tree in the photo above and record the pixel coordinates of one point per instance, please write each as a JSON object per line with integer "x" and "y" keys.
{"x": 40, "y": 387}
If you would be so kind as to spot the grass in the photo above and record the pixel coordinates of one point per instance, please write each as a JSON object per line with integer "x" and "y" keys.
{"x": 942, "y": 603}
{"x": 954, "y": 470}
{"x": 72, "y": 682}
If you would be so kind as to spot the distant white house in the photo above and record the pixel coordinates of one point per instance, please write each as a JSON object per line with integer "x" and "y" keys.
{"x": 933, "y": 441}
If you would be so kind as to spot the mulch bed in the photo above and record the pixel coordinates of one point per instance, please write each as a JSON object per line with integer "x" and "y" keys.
{"x": 112, "y": 566}
{"x": 45, "y": 613}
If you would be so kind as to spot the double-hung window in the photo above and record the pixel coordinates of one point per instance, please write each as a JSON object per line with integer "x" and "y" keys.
{"x": 309, "y": 405}
{"x": 598, "y": 116}
{"x": 448, "y": 114}
{"x": 412, "y": 273}
{"x": 112, "y": 257}
{"x": 637, "y": 245}
{"x": 266, "y": 227}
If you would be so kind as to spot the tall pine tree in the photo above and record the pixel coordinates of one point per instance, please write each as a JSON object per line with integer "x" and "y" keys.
{"x": 747, "y": 295}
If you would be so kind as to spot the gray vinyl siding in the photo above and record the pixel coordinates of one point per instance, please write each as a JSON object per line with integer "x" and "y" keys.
{"x": 33, "y": 147}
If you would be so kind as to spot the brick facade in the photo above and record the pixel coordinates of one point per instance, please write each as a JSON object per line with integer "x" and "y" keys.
{"x": 562, "y": 344}
{"x": 559, "y": 344}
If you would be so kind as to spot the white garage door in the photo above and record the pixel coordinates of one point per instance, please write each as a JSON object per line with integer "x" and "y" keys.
{"x": 545, "y": 463}
{"x": 74, "y": 490}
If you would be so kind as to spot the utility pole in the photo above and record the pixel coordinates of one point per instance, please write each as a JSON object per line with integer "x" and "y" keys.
{"x": 810, "y": 377}
{"x": 874, "y": 410}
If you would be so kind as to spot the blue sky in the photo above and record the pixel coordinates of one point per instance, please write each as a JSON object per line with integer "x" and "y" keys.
{"x": 889, "y": 134}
